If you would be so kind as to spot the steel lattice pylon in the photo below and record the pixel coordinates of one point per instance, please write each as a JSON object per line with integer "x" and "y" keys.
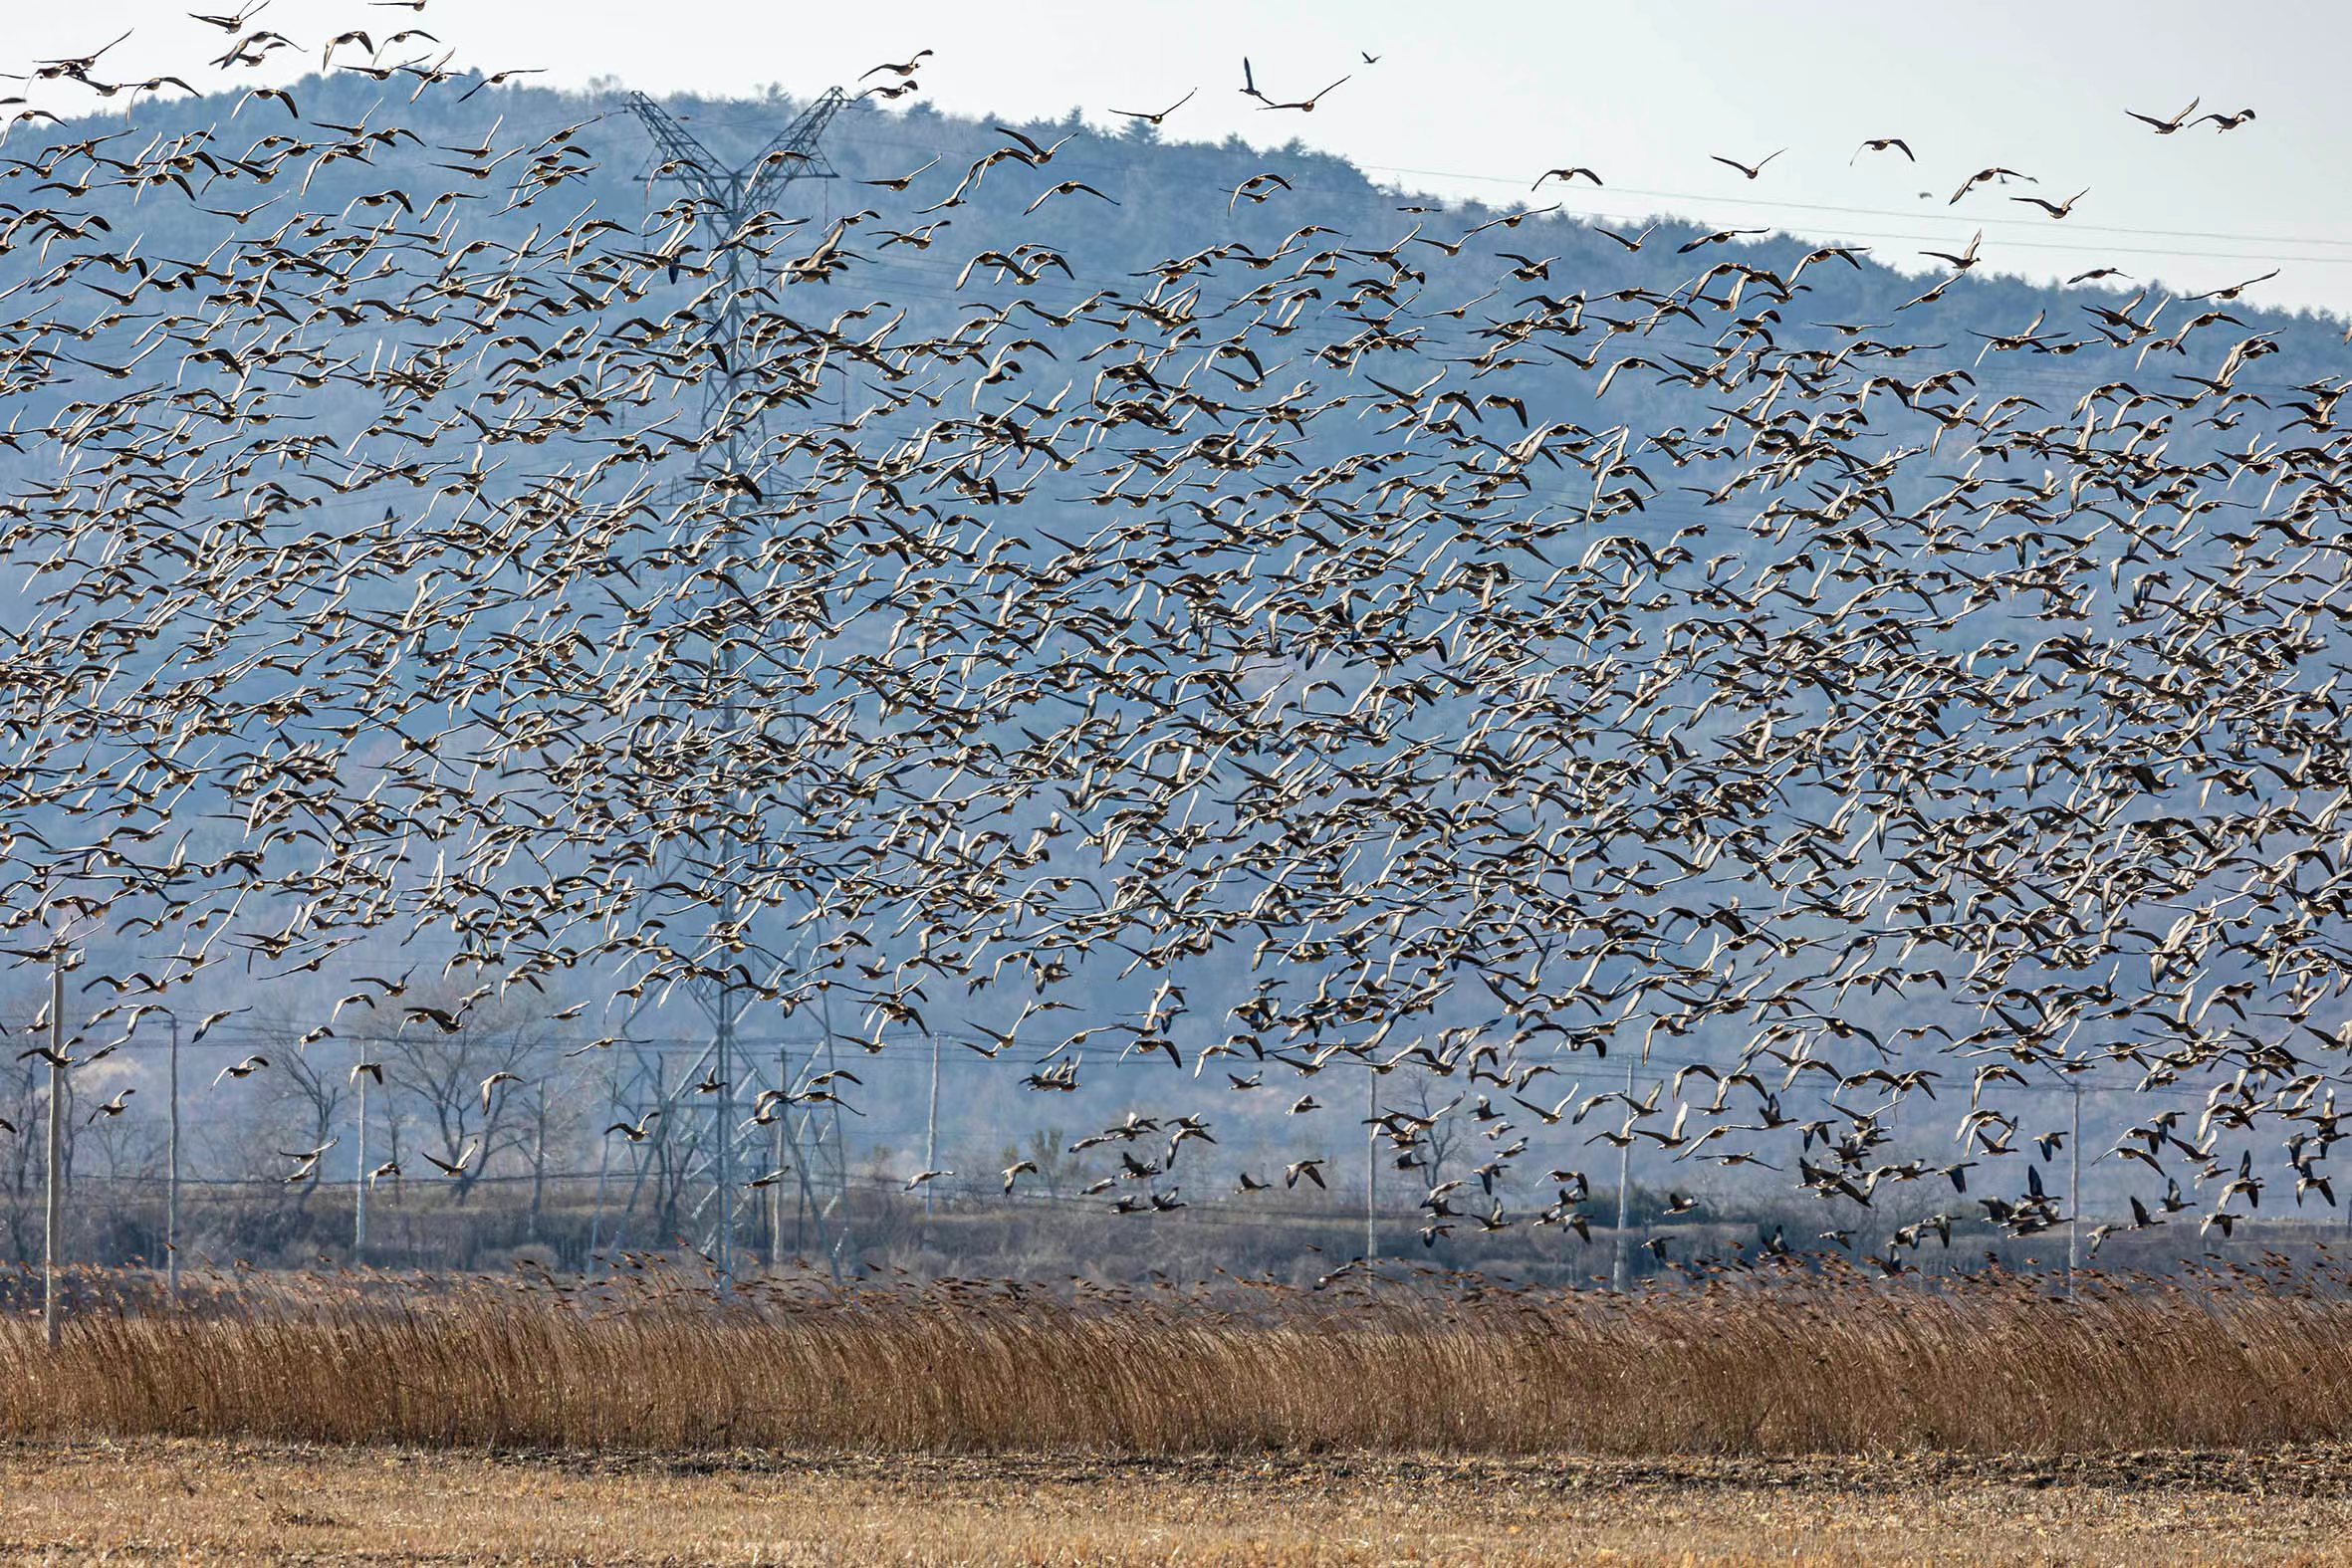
{"x": 704, "y": 1143}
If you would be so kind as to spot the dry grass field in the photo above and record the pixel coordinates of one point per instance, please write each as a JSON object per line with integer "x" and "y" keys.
{"x": 1825, "y": 1418}
{"x": 222, "y": 1501}
{"x": 1806, "y": 1363}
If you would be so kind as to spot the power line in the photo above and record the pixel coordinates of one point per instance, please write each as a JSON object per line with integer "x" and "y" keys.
{"x": 1586, "y": 210}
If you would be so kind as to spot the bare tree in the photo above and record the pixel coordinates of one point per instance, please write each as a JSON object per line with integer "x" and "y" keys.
{"x": 451, "y": 1088}
{"x": 553, "y": 1119}
{"x": 23, "y": 1103}
{"x": 1057, "y": 1169}
{"x": 1442, "y": 1142}
{"x": 308, "y": 1095}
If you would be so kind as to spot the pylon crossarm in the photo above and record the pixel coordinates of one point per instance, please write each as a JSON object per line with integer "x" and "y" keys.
{"x": 795, "y": 153}
{"x": 682, "y": 157}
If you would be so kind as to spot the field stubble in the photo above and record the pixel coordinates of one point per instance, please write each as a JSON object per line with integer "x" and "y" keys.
{"x": 230, "y": 1500}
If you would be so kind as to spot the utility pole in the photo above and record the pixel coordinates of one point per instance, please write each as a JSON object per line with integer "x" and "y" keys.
{"x": 171, "y": 1178}
{"x": 931, "y": 1137}
{"x": 54, "y": 1214}
{"x": 359, "y": 1177}
{"x": 723, "y": 1110}
{"x": 2074, "y": 1191}
{"x": 1371, "y": 1163}
{"x": 1618, "y": 1269}
{"x": 537, "y": 1158}
{"x": 588, "y": 1265}
{"x": 782, "y": 1114}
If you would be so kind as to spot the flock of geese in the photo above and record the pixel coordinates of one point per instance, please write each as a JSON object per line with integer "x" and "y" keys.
{"x": 1260, "y": 657}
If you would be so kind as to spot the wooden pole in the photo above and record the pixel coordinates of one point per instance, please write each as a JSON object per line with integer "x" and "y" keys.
{"x": 931, "y": 1135}
{"x": 54, "y": 1215}
{"x": 359, "y": 1177}
{"x": 1620, "y": 1271}
{"x": 780, "y": 1110}
{"x": 2074, "y": 1191}
{"x": 171, "y": 1184}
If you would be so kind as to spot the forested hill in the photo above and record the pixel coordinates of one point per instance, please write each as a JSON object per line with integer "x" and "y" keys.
{"x": 1174, "y": 200}
{"x": 1265, "y": 315}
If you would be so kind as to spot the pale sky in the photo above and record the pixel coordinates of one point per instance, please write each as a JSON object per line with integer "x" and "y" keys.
{"x": 1477, "y": 99}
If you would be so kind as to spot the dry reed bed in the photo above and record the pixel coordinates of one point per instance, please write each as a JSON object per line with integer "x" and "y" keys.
{"x": 1802, "y": 1364}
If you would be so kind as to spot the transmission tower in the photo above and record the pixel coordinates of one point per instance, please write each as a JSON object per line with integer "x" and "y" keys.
{"x": 717, "y": 1148}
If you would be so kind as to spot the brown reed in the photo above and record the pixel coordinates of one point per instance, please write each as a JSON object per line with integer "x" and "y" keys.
{"x": 1809, "y": 1363}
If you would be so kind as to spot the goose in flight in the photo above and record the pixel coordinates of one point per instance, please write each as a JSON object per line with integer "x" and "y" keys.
{"x": 1152, "y": 116}
{"x": 1751, "y": 170}
{"x": 2165, "y": 128}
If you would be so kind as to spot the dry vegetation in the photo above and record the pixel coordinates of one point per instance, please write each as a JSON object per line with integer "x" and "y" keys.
{"x": 1807, "y": 1363}
{"x": 227, "y": 1502}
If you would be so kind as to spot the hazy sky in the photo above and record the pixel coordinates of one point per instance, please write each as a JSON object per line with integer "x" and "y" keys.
{"x": 1476, "y": 99}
